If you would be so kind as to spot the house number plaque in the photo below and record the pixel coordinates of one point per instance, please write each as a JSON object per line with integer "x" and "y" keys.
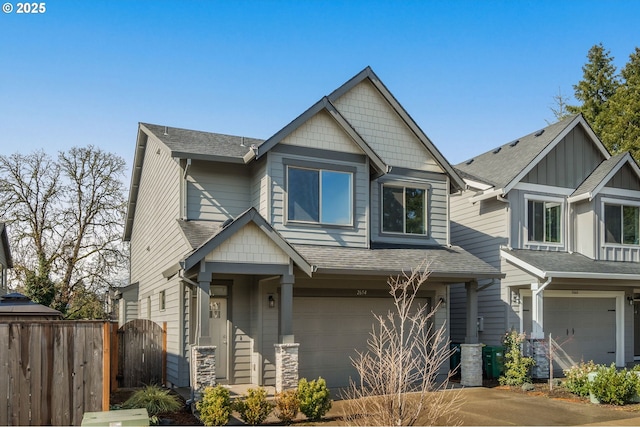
{"x": 361, "y": 292}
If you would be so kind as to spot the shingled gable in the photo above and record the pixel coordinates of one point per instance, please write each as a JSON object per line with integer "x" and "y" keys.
{"x": 595, "y": 182}
{"x": 4, "y": 246}
{"x": 504, "y": 167}
{"x": 226, "y": 232}
{"x": 326, "y": 103}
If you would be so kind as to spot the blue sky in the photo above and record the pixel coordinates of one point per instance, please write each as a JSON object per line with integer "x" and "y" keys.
{"x": 473, "y": 74}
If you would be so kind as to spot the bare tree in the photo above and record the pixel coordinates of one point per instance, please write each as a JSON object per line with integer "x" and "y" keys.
{"x": 66, "y": 220}
{"x": 401, "y": 377}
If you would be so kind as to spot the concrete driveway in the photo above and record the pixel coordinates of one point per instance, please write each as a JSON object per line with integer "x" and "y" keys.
{"x": 490, "y": 406}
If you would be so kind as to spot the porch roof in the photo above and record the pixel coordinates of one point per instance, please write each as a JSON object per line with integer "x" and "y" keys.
{"x": 449, "y": 263}
{"x": 546, "y": 264}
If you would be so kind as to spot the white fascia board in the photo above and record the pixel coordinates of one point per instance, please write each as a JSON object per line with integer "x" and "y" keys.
{"x": 477, "y": 184}
{"x": 597, "y": 276}
{"x": 580, "y": 197}
{"x": 486, "y": 195}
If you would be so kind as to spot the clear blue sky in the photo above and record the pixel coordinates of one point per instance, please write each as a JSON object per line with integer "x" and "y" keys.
{"x": 473, "y": 74}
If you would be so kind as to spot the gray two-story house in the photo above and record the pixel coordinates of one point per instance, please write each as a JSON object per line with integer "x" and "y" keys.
{"x": 559, "y": 216}
{"x": 248, "y": 244}
{"x": 5, "y": 259}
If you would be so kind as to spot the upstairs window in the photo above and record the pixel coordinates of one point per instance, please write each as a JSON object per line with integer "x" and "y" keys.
{"x": 622, "y": 224}
{"x": 404, "y": 210}
{"x": 544, "y": 221}
{"x": 320, "y": 196}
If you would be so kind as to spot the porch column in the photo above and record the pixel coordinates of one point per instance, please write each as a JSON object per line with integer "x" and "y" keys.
{"x": 286, "y": 309}
{"x": 472, "y": 312}
{"x": 203, "y": 292}
{"x": 537, "y": 309}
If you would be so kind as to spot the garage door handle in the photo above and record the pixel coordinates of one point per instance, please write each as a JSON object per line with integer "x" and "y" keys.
{"x": 573, "y": 331}
{"x": 567, "y": 332}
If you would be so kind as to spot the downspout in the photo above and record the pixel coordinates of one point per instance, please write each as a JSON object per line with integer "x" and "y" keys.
{"x": 537, "y": 308}
{"x": 569, "y": 227}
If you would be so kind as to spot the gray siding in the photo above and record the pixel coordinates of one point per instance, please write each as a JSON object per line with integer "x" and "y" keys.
{"x": 625, "y": 179}
{"x": 480, "y": 228}
{"x": 217, "y": 191}
{"x": 568, "y": 163}
{"x": 241, "y": 342}
{"x": 437, "y": 222}
{"x": 260, "y": 187}
{"x": 312, "y": 233}
{"x": 157, "y": 243}
{"x": 584, "y": 237}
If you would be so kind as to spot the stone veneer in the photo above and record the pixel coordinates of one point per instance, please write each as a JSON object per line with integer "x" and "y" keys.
{"x": 471, "y": 365}
{"x": 539, "y": 353}
{"x": 203, "y": 369}
{"x": 286, "y": 366}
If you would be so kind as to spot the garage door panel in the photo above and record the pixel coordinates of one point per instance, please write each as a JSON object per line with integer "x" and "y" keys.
{"x": 329, "y": 330}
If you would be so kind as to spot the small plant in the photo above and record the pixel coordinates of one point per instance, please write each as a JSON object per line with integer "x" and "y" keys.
{"x": 315, "y": 399}
{"x": 155, "y": 400}
{"x": 613, "y": 386}
{"x": 215, "y": 406}
{"x": 576, "y": 378}
{"x": 253, "y": 407}
{"x": 287, "y": 406}
{"x": 516, "y": 366}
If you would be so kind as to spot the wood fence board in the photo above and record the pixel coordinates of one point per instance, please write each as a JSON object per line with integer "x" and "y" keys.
{"x": 140, "y": 353}
{"x": 35, "y": 374}
{"x": 4, "y": 379}
{"x": 14, "y": 372}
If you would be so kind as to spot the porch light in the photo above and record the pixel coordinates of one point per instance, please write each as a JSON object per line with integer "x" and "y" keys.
{"x": 272, "y": 301}
{"x": 630, "y": 299}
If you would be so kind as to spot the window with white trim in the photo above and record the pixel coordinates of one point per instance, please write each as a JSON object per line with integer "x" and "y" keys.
{"x": 162, "y": 301}
{"x": 319, "y": 196}
{"x": 404, "y": 210}
{"x": 544, "y": 221}
{"x": 621, "y": 224}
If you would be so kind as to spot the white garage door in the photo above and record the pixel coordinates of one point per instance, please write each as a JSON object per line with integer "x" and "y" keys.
{"x": 329, "y": 331}
{"x": 584, "y": 327}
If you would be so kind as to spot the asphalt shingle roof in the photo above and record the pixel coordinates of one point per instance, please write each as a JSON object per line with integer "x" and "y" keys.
{"x": 600, "y": 173}
{"x": 501, "y": 165}
{"x": 451, "y": 262}
{"x": 567, "y": 264}
{"x": 198, "y": 233}
{"x": 192, "y": 142}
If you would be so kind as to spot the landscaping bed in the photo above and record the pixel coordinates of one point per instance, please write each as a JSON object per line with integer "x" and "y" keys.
{"x": 181, "y": 417}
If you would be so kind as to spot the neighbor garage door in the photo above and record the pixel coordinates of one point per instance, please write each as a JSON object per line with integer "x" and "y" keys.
{"x": 585, "y": 328}
{"x": 329, "y": 331}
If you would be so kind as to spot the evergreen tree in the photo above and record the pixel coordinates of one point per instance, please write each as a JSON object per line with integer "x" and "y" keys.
{"x": 599, "y": 83}
{"x": 619, "y": 122}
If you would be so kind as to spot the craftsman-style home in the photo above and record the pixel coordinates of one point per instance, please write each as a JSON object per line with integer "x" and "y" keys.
{"x": 251, "y": 245}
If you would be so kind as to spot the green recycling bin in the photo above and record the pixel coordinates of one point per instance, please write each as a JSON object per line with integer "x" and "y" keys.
{"x": 454, "y": 360}
{"x": 492, "y": 361}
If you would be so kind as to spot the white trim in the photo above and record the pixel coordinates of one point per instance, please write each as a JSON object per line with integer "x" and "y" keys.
{"x": 477, "y": 184}
{"x": 620, "y": 192}
{"x": 486, "y": 195}
{"x": 523, "y": 265}
{"x": 621, "y": 202}
{"x": 544, "y": 198}
{"x": 539, "y": 188}
{"x": 620, "y": 311}
{"x": 603, "y": 224}
{"x": 404, "y": 185}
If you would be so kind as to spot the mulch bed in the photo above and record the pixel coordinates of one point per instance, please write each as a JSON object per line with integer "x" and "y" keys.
{"x": 183, "y": 417}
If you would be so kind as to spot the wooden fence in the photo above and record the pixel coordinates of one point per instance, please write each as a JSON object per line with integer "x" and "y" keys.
{"x": 141, "y": 353}
{"x": 53, "y": 371}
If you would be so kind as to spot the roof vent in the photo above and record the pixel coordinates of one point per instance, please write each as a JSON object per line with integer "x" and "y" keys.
{"x": 540, "y": 132}
{"x": 166, "y": 131}
{"x": 497, "y": 150}
{"x": 514, "y": 143}
{"x": 227, "y": 222}
{"x": 468, "y": 162}
{"x": 242, "y": 141}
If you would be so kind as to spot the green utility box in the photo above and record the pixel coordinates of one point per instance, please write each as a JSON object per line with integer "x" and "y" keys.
{"x": 454, "y": 360}
{"x": 492, "y": 361}
{"x": 122, "y": 417}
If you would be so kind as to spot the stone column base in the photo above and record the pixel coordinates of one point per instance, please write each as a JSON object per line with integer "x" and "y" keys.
{"x": 286, "y": 366}
{"x": 539, "y": 353}
{"x": 203, "y": 369}
{"x": 471, "y": 365}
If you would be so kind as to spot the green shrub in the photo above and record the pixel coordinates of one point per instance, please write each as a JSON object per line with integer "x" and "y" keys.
{"x": 576, "y": 378}
{"x": 253, "y": 407}
{"x": 155, "y": 400}
{"x": 287, "y": 406}
{"x": 315, "y": 399}
{"x": 613, "y": 386}
{"x": 215, "y": 406}
{"x": 516, "y": 366}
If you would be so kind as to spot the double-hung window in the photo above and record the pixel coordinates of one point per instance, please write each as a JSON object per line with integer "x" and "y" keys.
{"x": 319, "y": 196}
{"x": 622, "y": 224}
{"x": 544, "y": 221}
{"x": 404, "y": 210}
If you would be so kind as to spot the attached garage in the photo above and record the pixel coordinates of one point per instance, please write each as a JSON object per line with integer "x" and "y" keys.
{"x": 330, "y": 329}
{"x": 583, "y": 325}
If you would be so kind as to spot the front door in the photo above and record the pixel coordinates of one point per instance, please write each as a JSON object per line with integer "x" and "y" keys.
{"x": 218, "y": 331}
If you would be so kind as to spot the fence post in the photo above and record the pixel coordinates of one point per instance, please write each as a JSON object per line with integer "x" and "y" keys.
{"x": 106, "y": 365}
{"x": 114, "y": 356}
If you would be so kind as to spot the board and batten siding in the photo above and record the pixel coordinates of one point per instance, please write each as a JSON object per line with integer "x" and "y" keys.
{"x": 383, "y": 129}
{"x": 217, "y": 191}
{"x": 568, "y": 163}
{"x": 437, "y": 223}
{"x": 157, "y": 243}
{"x": 480, "y": 228}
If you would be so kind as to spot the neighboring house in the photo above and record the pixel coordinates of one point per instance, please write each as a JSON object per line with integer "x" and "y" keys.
{"x": 5, "y": 259}
{"x": 247, "y": 244}
{"x": 559, "y": 216}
